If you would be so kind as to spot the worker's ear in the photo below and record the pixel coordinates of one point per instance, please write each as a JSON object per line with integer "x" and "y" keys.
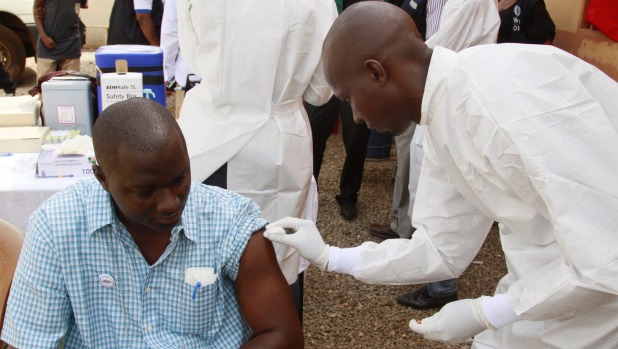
{"x": 101, "y": 177}
{"x": 376, "y": 71}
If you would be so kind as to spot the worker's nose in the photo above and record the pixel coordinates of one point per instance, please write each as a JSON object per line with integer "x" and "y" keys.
{"x": 169, "y": 202}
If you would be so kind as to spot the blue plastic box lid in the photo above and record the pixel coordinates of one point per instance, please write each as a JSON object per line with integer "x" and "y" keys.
{"x": 136, "y": 56}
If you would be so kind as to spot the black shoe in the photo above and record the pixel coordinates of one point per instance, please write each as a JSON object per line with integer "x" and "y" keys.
{"x": 383, "y": 231}
{"x": 420, "y": 299}
{"x": 347, "y": 208}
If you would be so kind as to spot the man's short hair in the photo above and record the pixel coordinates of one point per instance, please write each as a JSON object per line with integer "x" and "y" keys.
{"x": 137, "y": 124}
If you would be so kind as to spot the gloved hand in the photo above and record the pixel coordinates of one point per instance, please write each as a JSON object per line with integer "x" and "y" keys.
{"x": 454, "y": 323}
{"x": 304, "y": 237}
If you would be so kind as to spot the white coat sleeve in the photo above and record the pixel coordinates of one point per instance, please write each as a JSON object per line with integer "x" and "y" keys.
{"x": 188, "y": 40}
{"x": 169, "y": 39}
{"x": 318, "y": 92}
{"x": 467, "y": 23}
{"x": 449, "y": 233}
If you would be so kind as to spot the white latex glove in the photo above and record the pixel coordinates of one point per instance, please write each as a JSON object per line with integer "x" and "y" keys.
{"x": 454, "y": 323}
{"x": 304, "y": 237}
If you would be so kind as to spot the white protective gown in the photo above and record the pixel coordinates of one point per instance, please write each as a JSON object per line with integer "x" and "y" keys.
{"x": 258, "y": 60}
{"x": 532, "y": 142}
{"x": 174, "y": 65}
{"x": 463, "y": 24}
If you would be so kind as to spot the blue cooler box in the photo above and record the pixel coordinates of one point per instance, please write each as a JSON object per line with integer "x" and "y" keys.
{"x": 144, "y": 59}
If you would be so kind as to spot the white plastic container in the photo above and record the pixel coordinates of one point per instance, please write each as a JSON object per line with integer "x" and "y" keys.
{"x": 67, "y": 104}
{"x": 19, "y": 111}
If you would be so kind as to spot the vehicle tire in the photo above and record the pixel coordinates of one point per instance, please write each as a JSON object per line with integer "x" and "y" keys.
{"x": 12, "y": 52}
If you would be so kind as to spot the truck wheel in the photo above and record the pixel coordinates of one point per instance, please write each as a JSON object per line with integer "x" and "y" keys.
{"x": 12, "y": 52}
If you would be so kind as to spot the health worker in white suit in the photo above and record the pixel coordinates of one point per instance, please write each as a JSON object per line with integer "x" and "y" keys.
{"x": 258, "y": 60}
{"x": 174, "y": 65}
{"x": 526, "y": 135}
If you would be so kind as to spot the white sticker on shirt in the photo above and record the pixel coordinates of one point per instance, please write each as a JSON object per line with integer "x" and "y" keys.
{"x": 107, "y": 280}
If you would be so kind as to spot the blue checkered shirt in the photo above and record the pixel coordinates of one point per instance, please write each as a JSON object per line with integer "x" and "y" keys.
{"x": 82, "y": 277}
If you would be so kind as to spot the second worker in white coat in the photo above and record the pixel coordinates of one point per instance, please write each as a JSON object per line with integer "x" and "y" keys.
{"x": 245, "y": 125}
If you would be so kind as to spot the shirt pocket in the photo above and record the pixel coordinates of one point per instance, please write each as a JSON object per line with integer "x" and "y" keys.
{"x": 198, "y": 309}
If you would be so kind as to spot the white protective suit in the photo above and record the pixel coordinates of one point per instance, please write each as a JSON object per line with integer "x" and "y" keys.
{"x": 174, "y": 65}
{"x": 526, "y": 135}
{"x": 258, "y": 60}
{"x": 463, "y": 24}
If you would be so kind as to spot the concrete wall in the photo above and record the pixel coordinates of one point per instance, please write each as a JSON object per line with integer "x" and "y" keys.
{"x": 574, "y": 36}
{"x": 96, "y": 19}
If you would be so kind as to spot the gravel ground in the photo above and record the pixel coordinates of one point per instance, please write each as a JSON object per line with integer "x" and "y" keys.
{"x": 340, "y": 312}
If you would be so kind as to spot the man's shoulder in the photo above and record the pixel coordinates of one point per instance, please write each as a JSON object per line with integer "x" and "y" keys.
{"x": 74, "y": 199}
{"x": 79, "y": 189}
{"x": 219, "y": 205}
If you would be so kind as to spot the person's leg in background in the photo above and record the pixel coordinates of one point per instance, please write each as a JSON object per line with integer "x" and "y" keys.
{"x": 433, "y": 294}
{"x": 401, "y": 223}
{"x": 6, "y": 82}
{"x": 322, "y": 120}
{"x": 69, "y": 64}
{"x": 355, "y": 139}
{"x": 298, "y": 291}
{"x": 45, "y": 66}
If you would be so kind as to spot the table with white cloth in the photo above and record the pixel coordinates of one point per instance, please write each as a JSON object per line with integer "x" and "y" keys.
{"x": 21, "y": 192}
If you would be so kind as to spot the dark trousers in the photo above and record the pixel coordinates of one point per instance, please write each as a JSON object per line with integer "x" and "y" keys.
{"x": 6, "y": 83}
{"x": 355, "y": 139}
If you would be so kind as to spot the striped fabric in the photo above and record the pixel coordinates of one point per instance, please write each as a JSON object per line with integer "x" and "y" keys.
{"x": 434, "y": 11}
{"x": 81, "y": 275}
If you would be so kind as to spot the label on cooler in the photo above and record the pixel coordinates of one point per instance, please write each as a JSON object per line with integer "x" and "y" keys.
{"x": 117, "y": 87}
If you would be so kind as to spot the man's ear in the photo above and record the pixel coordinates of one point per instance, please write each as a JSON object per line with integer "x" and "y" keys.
{"x": 101, "y": 177}
{"x": 376, "y": 71}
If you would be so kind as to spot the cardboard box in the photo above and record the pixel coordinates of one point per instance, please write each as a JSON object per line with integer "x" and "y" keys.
{"x": 24, "y": 139}
{"x": 49, "y": 164}
{"x": 19, "y": 111}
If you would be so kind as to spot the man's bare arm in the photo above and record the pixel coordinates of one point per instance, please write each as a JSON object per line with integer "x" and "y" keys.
{"x": 265, "y": 298}
{"x": 148, "y": 27}
{"x": 39, "y": 16}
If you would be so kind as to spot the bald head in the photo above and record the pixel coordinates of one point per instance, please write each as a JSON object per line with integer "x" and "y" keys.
{"x": 137, "y": 124}
{"x": 370, "y": 29}
{"x": 375, "y": 58}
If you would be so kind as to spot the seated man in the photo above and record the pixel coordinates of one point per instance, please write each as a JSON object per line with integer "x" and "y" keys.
{"x": 106, "y": 262}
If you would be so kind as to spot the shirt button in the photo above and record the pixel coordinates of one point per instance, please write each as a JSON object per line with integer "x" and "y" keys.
{"x": 149, "y": 328}
{"x": 147, "y": 289}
